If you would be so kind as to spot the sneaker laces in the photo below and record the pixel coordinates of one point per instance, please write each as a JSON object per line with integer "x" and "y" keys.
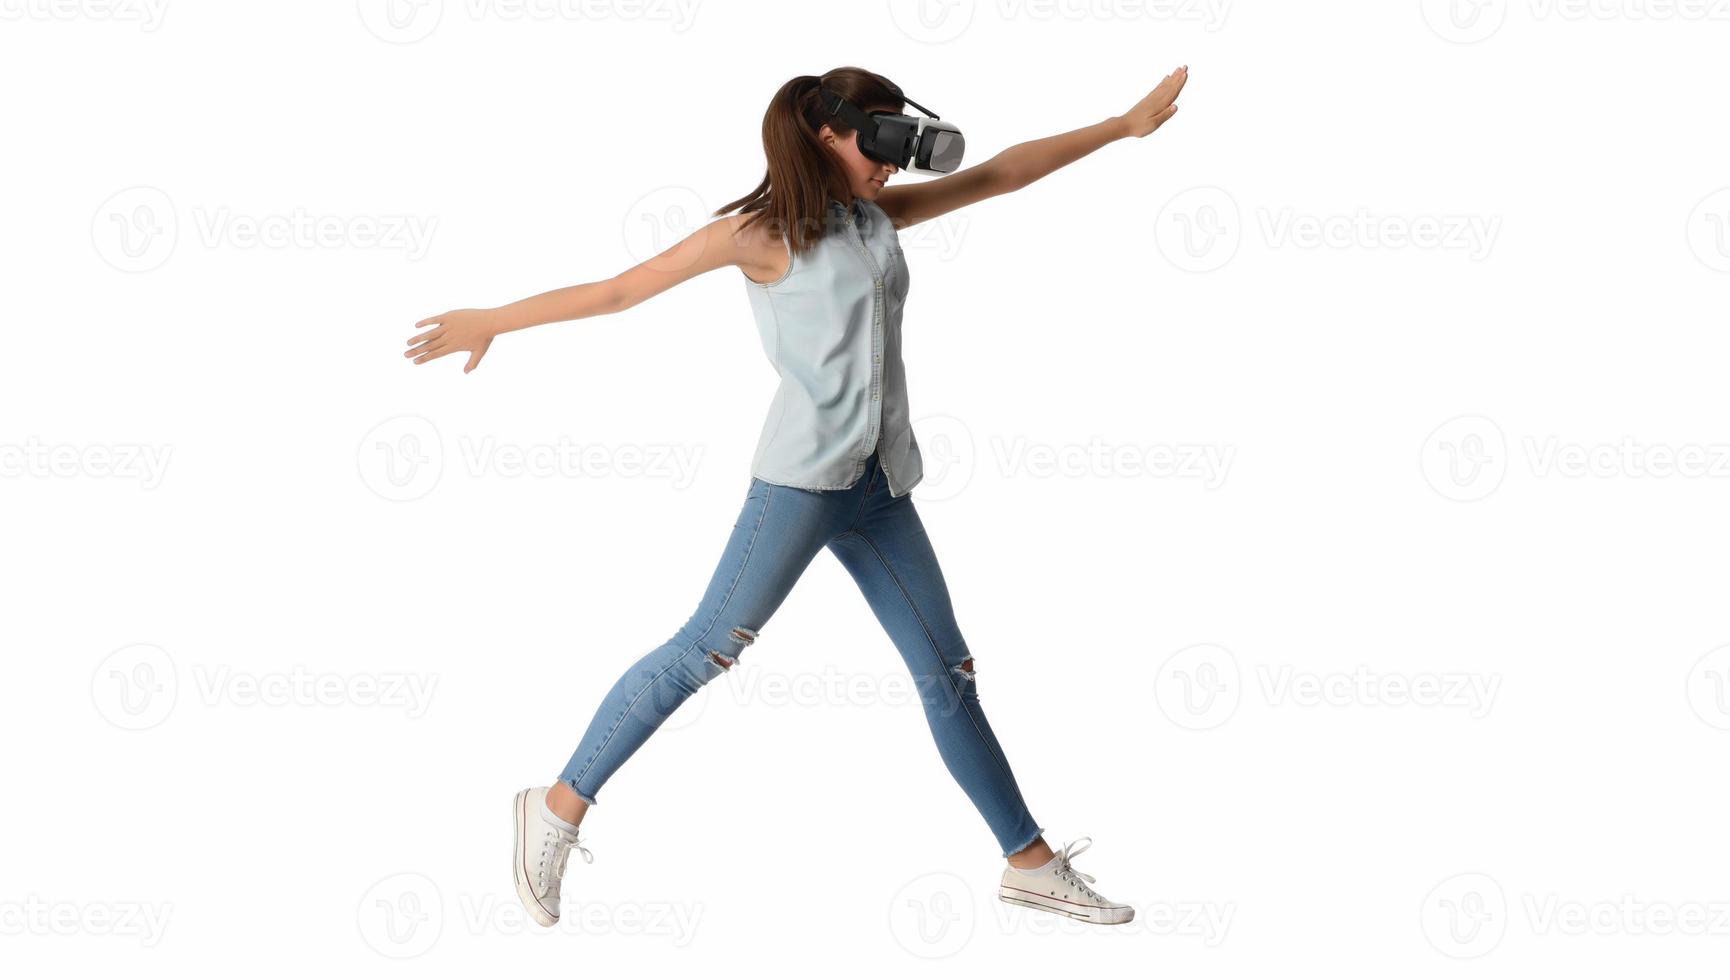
{"x": 555, "y": 851}
{"x": 1072, "y": 876}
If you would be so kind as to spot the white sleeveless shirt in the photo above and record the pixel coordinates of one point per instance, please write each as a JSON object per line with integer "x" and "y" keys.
{"x": 831, "y": 326}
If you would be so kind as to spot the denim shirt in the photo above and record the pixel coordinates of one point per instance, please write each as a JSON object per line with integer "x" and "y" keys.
{"x": 831, "y": 326}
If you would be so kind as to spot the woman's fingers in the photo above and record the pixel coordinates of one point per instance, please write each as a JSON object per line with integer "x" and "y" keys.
{"x": 431, "y": 346}
{"x": 432, "y": 319}
{"x": 474, "y": 359}
{"x": 417, "y": 338}
{"x": 1171, "y": 85}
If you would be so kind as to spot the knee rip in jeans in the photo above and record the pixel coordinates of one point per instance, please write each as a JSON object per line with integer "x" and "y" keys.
{"x": 745, "y": 635}
{"x": 965, "y": 668}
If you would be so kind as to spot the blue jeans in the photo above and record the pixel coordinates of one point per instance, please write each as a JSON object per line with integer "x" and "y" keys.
{"x": 880, "y": 540}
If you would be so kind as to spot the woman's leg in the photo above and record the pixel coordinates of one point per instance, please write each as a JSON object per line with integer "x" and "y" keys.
{"x": 887, "y": 552}
{"x": 778, "y": 531}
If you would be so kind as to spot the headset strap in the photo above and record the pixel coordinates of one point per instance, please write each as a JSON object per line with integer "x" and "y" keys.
{"x": 833, "y": 104}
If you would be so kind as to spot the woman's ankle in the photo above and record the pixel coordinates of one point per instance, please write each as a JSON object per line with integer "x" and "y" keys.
{"x": 565, "y": 803}
{"x": 1033, "y": 855}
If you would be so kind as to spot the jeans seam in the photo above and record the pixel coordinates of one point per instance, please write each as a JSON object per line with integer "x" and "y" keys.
{"x": 870, "y": 485}
{"x": 931, "y": 641}
{"x": 732, "y": 587}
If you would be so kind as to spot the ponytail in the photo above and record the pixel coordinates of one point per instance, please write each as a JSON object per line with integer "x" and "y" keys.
{"x": 803, "y": 175}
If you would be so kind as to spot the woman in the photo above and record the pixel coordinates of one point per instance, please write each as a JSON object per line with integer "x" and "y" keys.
{"x": 816, "y": 243}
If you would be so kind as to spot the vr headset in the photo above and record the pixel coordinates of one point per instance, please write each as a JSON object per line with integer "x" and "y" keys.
{"x": 919, "y": 144}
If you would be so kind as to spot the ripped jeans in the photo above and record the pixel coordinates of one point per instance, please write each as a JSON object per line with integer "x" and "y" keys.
{"x": 882, "y": 543}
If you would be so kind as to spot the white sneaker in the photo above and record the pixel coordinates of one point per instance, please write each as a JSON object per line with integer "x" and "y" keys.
{"x": 1062, "y": 889}
{"x": 541, "y": 851}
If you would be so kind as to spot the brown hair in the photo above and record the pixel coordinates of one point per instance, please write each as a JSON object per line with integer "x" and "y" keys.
{"x": 803, "y": 173}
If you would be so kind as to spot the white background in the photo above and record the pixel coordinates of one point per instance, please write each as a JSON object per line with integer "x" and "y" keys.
{"x": 1490, "y": 459}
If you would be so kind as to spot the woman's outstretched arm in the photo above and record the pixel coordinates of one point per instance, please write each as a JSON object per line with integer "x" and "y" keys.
{"x": 1024, "y": 163}
{"x": 710, "y": 247}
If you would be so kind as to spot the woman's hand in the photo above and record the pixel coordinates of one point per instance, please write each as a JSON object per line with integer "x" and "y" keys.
{"x": 1157, "y": 106}
{"x": 470, "y": 330}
